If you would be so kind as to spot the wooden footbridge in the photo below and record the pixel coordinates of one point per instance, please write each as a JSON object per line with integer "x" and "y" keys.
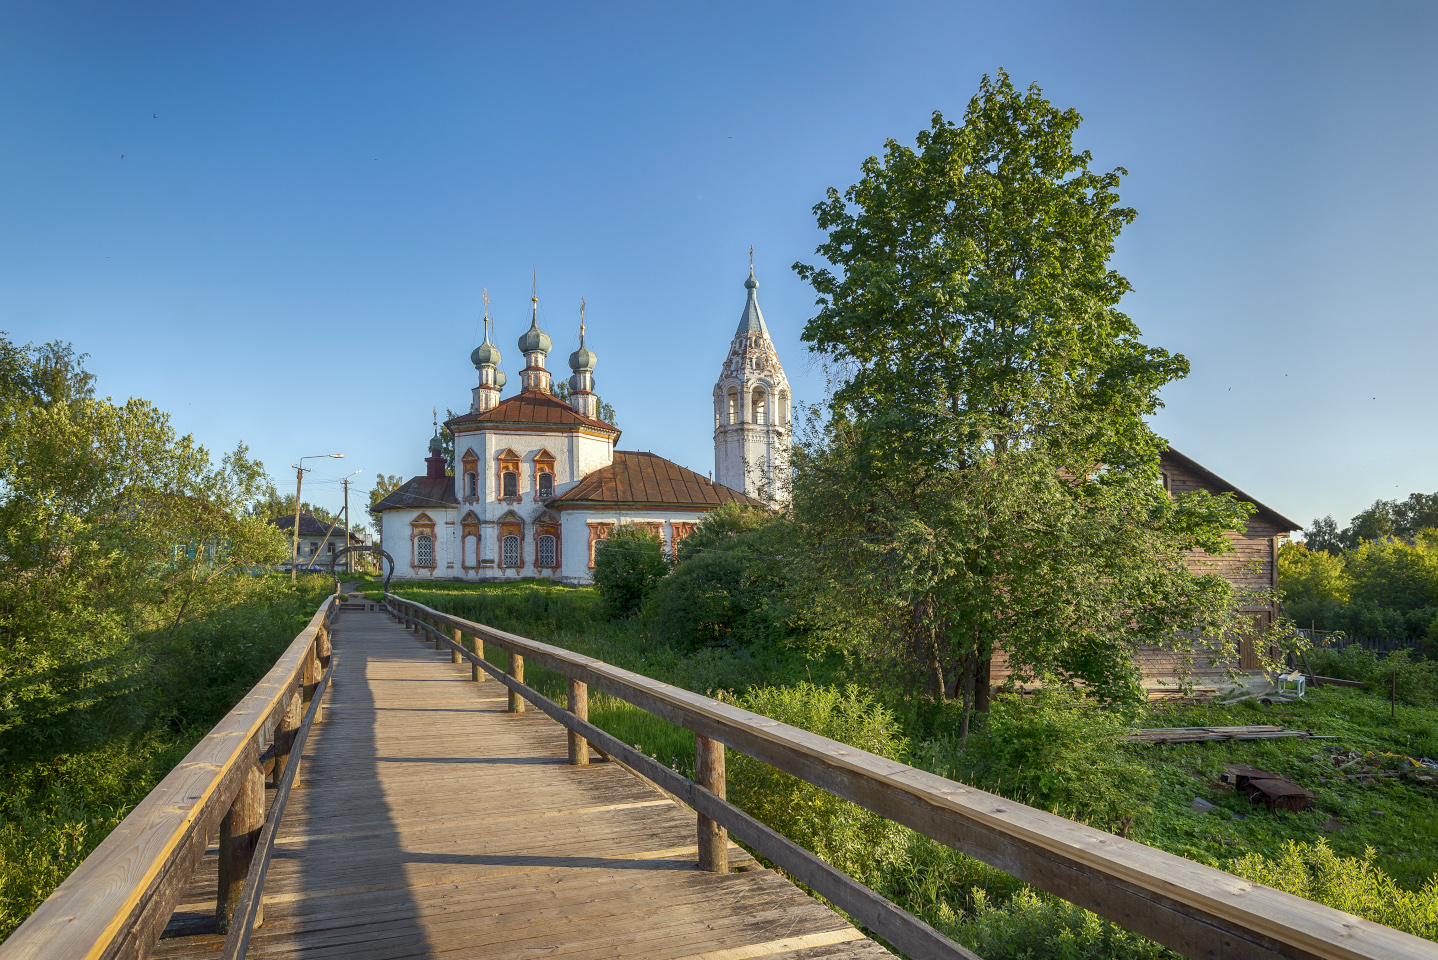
{"x": 379, "y": 795}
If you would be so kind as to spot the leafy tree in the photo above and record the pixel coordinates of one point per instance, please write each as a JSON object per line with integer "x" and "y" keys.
{"x": 1395, "y": 574}
{"x": 1323, "y": 534}
{"x": 1385, "y": 518}
{"x": 273, "y": 504}
{"x": 1375, "y": 523}
{"x": 1307, "y": 574}
{"x": 627, "y": 566}
{"x": 731, "y": 582}
{"x": 384, "y": 485}
{"x": 110, "y": 525}
{"x": 606, "y": 412}
{"x": 1416, "y": 514}
{"x": 987, "y": 475}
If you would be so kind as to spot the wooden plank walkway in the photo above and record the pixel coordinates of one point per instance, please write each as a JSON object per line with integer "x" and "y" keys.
{"x": 427, "y": 820}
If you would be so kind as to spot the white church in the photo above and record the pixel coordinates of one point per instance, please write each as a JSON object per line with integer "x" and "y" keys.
{"x": 538, "y": 482}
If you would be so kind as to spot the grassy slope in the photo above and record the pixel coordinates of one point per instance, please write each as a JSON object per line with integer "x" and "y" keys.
{"x": 55, "y": 809}
{"x": 1395, "y": 816}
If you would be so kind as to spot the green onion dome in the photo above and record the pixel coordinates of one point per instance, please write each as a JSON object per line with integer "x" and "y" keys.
{"x": 534, "y": 340}
{"x": 486, "y": 352}
{"x": 583, "y": 359}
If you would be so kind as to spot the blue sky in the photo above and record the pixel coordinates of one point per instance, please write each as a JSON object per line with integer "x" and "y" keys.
{"x": 312, "y": 196}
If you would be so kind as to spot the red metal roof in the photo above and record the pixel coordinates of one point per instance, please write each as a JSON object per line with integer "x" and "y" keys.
{"x": 644, "y": 478}
{"x": 532, "y": 407}
{"x": 420, "y": 492}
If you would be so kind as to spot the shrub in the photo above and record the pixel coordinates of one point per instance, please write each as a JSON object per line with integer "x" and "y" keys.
{"x": 844, "y": 834}
{"x": 1032, "y": 926}
{"x": 730, "y": 584}
{"x": 1352, "y": 884}
{"x": 1417, "y": 679}
{"x": 626, "y": 568}
{"x": 1061, "y": 752}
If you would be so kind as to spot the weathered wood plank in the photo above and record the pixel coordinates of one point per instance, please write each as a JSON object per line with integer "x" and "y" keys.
{"x": 432, "y": 820}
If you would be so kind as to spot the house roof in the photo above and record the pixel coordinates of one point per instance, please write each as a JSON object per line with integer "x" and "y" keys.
{"x": 1223, "y": 486}
{"x": 646, "y": 479}
{"x": 420, "y": 492}
{"x": 309, "y": 526}
{"x": 532, "y": 408}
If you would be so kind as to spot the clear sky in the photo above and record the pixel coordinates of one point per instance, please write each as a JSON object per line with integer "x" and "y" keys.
{"x": 275, "y": 220}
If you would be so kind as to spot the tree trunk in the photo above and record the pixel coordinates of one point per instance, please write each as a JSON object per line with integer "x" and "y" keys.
{"x": 983, "y": 682}
{"x": 970, "y": 668}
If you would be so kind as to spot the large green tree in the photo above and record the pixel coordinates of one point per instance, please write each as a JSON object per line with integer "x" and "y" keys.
{"x": 111, "y": 525}
{"x": 987, "y": 476}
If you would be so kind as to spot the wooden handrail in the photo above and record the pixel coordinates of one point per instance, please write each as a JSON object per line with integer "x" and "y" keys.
{"x": 247, "y": 912}
{"x": 1194, "y": 909}
{"x": 116, "y": 903}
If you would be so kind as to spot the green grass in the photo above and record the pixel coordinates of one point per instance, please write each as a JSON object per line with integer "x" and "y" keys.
{"x": 1395, "y": 816}
{"x": 55, "y": 809}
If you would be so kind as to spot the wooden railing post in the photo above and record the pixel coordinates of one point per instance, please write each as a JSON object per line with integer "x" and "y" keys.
{"x": 709, "y": 774}
{"x": 454, "y": 656}
{"x": 239, "y": 837}
{"x": 285, "y": 734}
{"x": 477, "y": 642}
{"x": 438, "y": 641}
{"x": 579, "y": 706}
{"x": 516, "y": 670}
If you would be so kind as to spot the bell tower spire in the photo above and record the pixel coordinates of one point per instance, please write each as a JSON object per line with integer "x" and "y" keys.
{"x": 752, "y": 436}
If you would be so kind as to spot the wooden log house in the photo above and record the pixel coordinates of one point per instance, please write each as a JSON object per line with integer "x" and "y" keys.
{"x": 1251, "y": 567}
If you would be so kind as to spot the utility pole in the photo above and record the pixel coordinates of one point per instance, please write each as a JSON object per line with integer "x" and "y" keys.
{"x": 349, "y": 557}
{"x": 295, "y": 533}
{"x": 299, "y": 480}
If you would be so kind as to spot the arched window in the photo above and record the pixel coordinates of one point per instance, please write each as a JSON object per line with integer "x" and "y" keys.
{"x": 423, "y": 551}
{"x": 471, "y": 484}
{"x": 733, "y": 405}
{"x": 546, "y": 552}
{"x": 760, "y": 408}
{"x": 471, "y": 551}
{"x": 511, "y": 484}
{"x": 546, "y": 486}
{"x": 511, "y": 551}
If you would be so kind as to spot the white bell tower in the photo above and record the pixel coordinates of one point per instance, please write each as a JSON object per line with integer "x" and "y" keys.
{"x": 752, "y": 438}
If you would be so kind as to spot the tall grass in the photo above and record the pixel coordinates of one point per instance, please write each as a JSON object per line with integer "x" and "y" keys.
{"x": 55, "y": 809}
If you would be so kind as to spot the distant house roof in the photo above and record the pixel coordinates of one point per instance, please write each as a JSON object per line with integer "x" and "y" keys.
{"x": 420, "y": 492}
{"x": 1223, "y": 486}
{"x": 532, "y": 408}
{"x": 649, "y": 480}
{"x": 309, "y": 526}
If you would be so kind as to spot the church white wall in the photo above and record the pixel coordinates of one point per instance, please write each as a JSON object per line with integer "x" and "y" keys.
{"x": 574, "y": 530}
{"x": 395, "y": 532}
{"x": 575, "y": 457}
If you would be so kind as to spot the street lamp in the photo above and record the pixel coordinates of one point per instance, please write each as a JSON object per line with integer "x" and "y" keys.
{"x": 299, "y": 479}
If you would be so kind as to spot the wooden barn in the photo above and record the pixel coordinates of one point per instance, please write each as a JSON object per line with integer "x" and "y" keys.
{"x": 1253, "y": 565}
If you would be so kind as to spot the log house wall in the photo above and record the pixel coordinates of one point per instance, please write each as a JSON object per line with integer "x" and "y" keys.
{"x": 1253, "y": 565}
